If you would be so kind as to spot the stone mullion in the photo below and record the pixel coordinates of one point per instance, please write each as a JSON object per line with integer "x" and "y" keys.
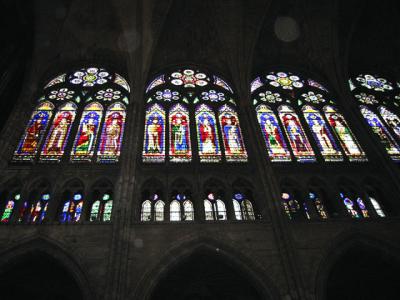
{"x": 124, "y": 202}
{"x": 271, "y": 190}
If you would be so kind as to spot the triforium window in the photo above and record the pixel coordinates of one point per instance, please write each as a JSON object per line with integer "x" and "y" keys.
{"x": 379, "y": 102}
{"x": 189, "y": 111}
{"x": 299, "y": 120}
{"x": 91, "y": 104}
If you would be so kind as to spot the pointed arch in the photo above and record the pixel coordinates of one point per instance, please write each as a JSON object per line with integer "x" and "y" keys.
{"x": 86, "y": 137}
{"x": 185, "y": 249}
{"x": 67, "y": 258}
{"x": 112, "y": 134}
{"x": 34, "y": 132}
{"x": 58, "y": 135}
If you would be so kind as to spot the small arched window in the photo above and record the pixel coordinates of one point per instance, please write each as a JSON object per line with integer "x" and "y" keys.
{"x": 102, "y": 208}
{"x": 316, "y": 201}
{"x": 176, "y": 95}
{"x": 11, "y": 202}
{"x": 290, "y": 205}
{"x": 379, "y": 105}
{"x": 152, "y": 209}
{"x": 376, "y": 205}
{"x": 243, "y": 207}
{"x": 299, "y": 103}
{"x": 181, "y": 209}
{"x": 71, "y": 211}
{"x": 77, "y": 100}
{"x": 355, "y": 206}
{"x": 214, "y": 208}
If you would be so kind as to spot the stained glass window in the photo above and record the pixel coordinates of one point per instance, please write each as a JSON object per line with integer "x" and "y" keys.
{"x": 37, "y": 212}
{"x": 159, "y": 210}
{"x": 207, "y": 134}
{"x": 243, "y": 207}
{"x": 152, "y": 210}
{"x": 37, "y": 125}
{"x": 101, "y": 209}
{"x": 322, "y": 134}
{"x": 85, "y": 140}
{"x": 146, "y": 211}
{"x": 374, "y": 83}
{"x": 382, "y": 133}
{"x": 72, "y": 209}
{"x": 171, "y": 98}
{"x": 272, "y": 133}
{"x": 290, "y": 205}
{"x": 9, "y": 208}
{"x": 188, "y": 210}
{"x": 343, "y": 133}
{"x": 57, "y": 137}
{"x": 214, "y": 208}
{"x": 391, "y": 119}
{"x": 66, "y": 95}
{"x": 298, "y": 140}
{"x": 377, "y": 207}
{"x": 179, "y": 134}
{"x": 318, "y": 204}
{"x": 175, "y": 211}
{"x": 349, "y": 204}
{"x": 154, "y": 132}
{"x": 231, "y": 134}
{"x": 289, "y": 96}
{"x": 112, "y": 133}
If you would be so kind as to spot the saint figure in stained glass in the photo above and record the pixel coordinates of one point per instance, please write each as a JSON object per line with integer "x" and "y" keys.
{"x": 57, "y": 138}
{"x": 112, "y": 133}
{"x": 232, "y": 135}
{"x": 33, "y": 135}
{"x": 381, "y": 131}
{"x": 343, "y": 133}
{"x": 297, "y": 138}
{"x": 207, "y": 134}
{"x": 391, "y": 119}
{"x": 179, "y": 149}
{"x": 154, "y": 141}
{"x": 323, "y": 137}
{"x": 85, "y": 140}
{"x": 272, "y": 134}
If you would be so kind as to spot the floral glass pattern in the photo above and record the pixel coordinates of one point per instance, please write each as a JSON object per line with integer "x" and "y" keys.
{"x": 374, "y": 83}
{"x": 284, "y": 80}
{"x": 90, "y": 77}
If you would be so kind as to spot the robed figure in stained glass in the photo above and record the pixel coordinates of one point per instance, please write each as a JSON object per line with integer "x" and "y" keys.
{"x": 179, "y": 134}
{"x": 232, "y": 136}
{"x": 111, "y": 136}
{"x": 37, "y": 125}
{"x": 391, "y": 119}
{"x": 59, "y": 131}
{"x": 272, "y": 133}
{"x": 34, "y": 131}
{"x": 297, "y": 138}
{"x": 207, "y": 135}
{"x": 154, "y": 133}
{"x": 87, "y": 134}
{"x": 321, "y": 133}
{"x": 344, "y": 134}
{"x": 380, "y": 130}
